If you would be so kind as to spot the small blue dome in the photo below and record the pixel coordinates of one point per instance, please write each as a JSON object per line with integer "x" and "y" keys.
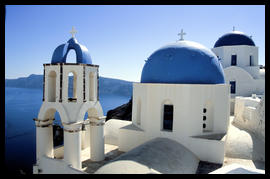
{"x": 82, "y": 54}
{"x": 234, "y": 38}
{"x": 183, "y": 62}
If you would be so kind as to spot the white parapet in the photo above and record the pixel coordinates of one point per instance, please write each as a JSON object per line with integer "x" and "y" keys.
{"x": 250, "y": 114}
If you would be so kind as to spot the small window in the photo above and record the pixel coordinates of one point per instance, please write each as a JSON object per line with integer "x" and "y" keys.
{"x": 204, "y": 110}
{"x": 168, "y": 117}
{"x": 204, "y": 126}
{"x": 250, "y": 60}
{"x": 234, "y": 60}
{"x": 233, "y": 87}
{"x": 204, "y": 118}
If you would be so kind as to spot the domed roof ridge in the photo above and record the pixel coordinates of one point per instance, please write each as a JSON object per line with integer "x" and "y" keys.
{"x": 234, "y": 38}
{"x": 183, "y": 62}
{"x": 72, "y": 40}
{"x": 82, "y": 54}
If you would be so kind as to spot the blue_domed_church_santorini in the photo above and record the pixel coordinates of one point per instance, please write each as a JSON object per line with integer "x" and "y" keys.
{"x": 180, "y": 116}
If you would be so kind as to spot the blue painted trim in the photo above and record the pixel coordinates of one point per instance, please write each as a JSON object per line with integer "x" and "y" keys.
{"x": 82, "y": 54}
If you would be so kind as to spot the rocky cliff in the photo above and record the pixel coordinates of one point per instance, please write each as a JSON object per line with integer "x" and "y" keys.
{"x": 123, "y": 112}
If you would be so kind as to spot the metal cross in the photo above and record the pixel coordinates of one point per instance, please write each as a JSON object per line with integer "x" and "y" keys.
{"x": 182, "y": 34}
{"x": 73, "y": 32}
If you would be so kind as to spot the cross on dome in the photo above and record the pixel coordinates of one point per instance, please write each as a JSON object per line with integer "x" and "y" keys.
{"x": 73, "y": 32}
{"x": 233, "y": 28}
{"x": 182, "y": 33}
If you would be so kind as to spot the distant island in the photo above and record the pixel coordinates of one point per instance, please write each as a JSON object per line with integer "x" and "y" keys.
{"x": 106, "y": 85}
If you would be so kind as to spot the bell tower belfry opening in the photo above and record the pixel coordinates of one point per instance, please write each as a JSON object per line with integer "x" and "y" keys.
{"x": 71, "y": 89}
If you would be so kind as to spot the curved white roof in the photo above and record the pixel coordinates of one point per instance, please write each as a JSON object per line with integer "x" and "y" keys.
{"x": 160, "y": 155}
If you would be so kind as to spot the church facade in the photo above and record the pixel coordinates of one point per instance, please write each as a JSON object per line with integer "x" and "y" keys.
{"x": 182, "y": 96}
{"x": 238, "y": 55}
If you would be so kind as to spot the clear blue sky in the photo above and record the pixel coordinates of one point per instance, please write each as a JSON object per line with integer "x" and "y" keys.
{"x": 119, "y": 37}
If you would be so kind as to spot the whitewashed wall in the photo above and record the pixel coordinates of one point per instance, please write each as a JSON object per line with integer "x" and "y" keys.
{"x": 250, "y": 114}
{"x": 189, "y": 101}
{"x": 245, "y": 84}
{"x": 242, "y": 51}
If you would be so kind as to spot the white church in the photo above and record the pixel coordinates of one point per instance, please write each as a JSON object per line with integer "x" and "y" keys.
{"x": 238, "y": 55}
{"x": 180, "y": 109}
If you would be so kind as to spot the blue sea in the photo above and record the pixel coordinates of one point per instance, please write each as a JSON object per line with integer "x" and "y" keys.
{"x": 21, "y": 106}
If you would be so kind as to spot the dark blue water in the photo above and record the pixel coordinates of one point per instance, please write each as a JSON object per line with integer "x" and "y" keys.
{"x": 21, "y": 106}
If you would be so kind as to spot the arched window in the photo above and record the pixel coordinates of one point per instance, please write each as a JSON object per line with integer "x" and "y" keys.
{"x": 92, "y": 86}
{"x": 168, "y": 117}
{"x": 234, "y": 60}
{"x": 251, "y": 63}
{"x": 55, "y": 137}
{"x": 72, "y": 87}
{"x": 52, "y": 86}
{"x": 85, "y": 133}
{"x": 71, "y": 56}
{"x": 58, "y": 135}
{"x": 233, "y": 87}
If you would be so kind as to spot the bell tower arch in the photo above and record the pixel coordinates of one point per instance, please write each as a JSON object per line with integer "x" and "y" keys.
{"x": 71, "y": 96}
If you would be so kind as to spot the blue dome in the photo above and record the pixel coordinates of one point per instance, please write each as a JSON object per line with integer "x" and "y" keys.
{"x": 234, "y": 38}
{"x": 183, "y": 62}
{"x": 82, "y": 54}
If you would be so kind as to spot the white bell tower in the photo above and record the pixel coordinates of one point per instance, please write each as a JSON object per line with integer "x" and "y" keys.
{"x": 72, "y": 98}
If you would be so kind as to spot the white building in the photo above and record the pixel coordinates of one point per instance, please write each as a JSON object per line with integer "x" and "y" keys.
{"x": 180, "y": 113}
{"x": 182, "y": 97}
{"x": 72, "y": 107}
{"x": 238, "y": 55}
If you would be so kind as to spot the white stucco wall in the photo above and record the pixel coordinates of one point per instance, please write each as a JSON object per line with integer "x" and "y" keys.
{"x": 55, "y": 166}
{"x": 188, "y": 101}
{"x": 111, "y": 130}
{"x": 254, "y": 71}
{"x": 243, "y": 53}
{"x": 250, "y": 114}
{"x": 246, "y": 85}
{"x": 249, "y": 78}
